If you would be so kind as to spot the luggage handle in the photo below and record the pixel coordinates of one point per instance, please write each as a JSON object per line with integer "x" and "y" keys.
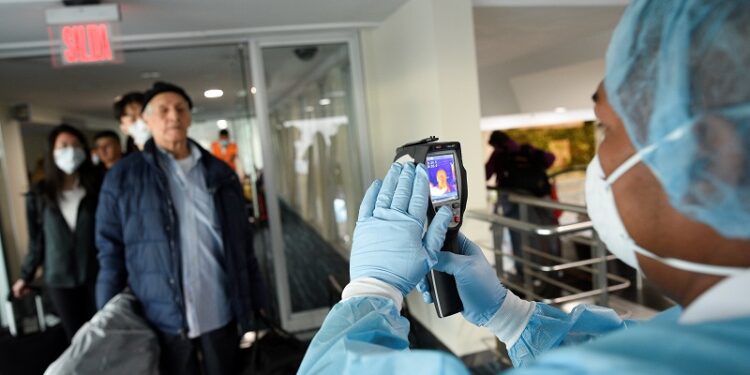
{"x": 276, "y": 327}
{"x": 35, "y": 290}
{"x": 38, "y": 306}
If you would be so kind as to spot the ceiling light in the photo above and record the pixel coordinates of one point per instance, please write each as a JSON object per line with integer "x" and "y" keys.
{"x": 213, "y": 93}
{"x": 150, "y": 75}
{"x": 325, "y": 101}
{"x": 560, "y": 109}
{"x": 309, "y": 108}
{"x": 222, "y": 124}
{"x": 253, "y": 90}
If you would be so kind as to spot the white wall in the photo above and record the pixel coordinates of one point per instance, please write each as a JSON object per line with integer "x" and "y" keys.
{"x": 12, "y": 202}
{"x": 8, "y": 244}
{"x": 538, "y": 79}
{"x": 496, "y": 94}
{"x": 421, "y": 80}
{"x": 569, "y": 86}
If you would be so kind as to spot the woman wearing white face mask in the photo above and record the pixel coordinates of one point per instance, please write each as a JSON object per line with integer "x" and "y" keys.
{"x": 60, "y": 214}
{"x": 669, "y": 193}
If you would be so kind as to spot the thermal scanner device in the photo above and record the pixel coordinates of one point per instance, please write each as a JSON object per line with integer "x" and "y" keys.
{"x": 447, "y": 176}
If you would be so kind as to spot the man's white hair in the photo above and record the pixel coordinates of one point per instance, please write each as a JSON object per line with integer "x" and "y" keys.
{"x": 147, "y": 109}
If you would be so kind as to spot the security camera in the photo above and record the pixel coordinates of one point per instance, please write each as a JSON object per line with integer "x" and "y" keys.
{"x": 69, "y": 3}
{"x": 306, "y": 53}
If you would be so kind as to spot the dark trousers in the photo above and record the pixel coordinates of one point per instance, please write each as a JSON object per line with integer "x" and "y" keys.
{"x": 212, "y": 353}
{"x": 74, "y": 306}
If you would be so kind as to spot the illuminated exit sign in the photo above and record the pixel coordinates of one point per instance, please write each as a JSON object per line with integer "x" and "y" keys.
{"x": 83, "y": 33}
{"x": 83, "y": 44}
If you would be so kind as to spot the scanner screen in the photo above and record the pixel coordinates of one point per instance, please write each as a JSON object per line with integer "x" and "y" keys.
{"x": 441, "y": 170}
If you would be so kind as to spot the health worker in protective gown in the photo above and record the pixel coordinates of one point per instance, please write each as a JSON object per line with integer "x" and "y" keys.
{"x": 668, "y": 193}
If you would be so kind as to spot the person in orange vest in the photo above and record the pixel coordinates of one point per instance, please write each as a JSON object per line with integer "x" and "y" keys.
{"x": 224, "y": 149}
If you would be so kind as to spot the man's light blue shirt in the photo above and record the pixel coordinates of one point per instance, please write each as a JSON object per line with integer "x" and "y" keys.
{"x": 204, "y": 278}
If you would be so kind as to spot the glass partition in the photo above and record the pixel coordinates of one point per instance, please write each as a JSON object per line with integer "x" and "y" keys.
{"x": 317, "y": 176}
{"x": 4, "y": 274}
{"x": 310, "y": 115}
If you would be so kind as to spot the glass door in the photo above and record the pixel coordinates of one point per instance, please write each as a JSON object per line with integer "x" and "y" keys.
{"x": 312, "y": 124}
{"x": 5, "y": 215}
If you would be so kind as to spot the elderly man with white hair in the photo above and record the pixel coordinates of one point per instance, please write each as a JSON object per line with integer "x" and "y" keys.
{"x": 172, "y": 226}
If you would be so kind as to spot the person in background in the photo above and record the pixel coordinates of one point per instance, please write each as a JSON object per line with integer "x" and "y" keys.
{"x": 522, "y": 170}
{"x": 667, "y": 193}
{"x": 518, "y": 168}
{"x": 172, "y": 226}
{"x": 225, "y": 150}
{"x": 60, "y": 213}
{"x": 107, "y": 148}
{"x": 37, "y": 175}
{"x": 127, "y": 110}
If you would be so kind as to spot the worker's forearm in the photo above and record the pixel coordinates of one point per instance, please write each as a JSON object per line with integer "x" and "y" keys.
{"x": 355, "y": 327}
{"x": 548, "y": 327}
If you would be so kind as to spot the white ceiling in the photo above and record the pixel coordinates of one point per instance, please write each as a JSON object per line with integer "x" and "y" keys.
{"x": 504, "y": 34}
{"x": 24, "y": 20}
{"x": 90, "y": 90}
{"x": 548, "y": 3}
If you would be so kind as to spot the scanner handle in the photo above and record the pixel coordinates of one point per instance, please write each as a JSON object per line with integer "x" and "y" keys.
{"x": 443, "y": 285}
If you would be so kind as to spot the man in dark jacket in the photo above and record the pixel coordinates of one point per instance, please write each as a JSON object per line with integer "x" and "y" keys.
{"x": 172, "y": 225}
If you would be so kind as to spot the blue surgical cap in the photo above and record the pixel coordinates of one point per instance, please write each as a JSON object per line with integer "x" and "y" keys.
{"x": 678, "y": 75}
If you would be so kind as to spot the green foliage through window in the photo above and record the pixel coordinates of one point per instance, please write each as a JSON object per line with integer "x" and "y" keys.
{"x": 579, "y": 148}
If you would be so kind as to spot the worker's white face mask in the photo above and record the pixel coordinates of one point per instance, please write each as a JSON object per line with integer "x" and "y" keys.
{"x": 140, "y": 133}
{"x": 68, "y": 159}
{"x": 602, "y": 209}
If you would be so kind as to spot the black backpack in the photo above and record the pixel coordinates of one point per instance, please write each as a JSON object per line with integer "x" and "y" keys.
{"x": 526, "y": 170}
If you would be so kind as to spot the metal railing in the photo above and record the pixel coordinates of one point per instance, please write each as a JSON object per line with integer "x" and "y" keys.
{"x": 542, "y": 267}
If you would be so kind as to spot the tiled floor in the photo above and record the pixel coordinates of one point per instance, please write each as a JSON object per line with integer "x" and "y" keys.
{"x": 310, "y": 259}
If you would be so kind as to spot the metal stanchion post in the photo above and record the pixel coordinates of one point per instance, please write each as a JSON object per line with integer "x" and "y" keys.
{"x": 639, "y": 288}
{"x": 599, "y": 278}
{"x": 524, "y": 216}
{"x": 497, "y": 244}
{"x": 498, "y": 232}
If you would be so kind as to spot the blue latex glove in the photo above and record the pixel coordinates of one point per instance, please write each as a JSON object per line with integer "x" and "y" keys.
{"x": 478, "y": 286}
{"x": 390, "y": 243}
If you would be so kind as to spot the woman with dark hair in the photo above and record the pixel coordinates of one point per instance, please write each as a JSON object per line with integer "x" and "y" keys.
{"x": 60, "y": 213}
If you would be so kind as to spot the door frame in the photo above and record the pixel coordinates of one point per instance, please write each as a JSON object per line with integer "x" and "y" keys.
{"x": 310, "y": 319}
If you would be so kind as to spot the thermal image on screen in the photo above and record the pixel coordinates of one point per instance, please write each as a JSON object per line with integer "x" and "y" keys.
{"x": 441, "y": 169}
